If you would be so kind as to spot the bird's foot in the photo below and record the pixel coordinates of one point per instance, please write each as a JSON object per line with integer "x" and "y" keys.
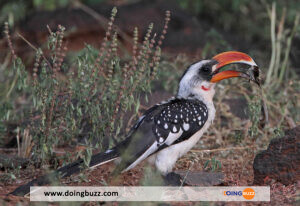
{"x": 173, "y": 179}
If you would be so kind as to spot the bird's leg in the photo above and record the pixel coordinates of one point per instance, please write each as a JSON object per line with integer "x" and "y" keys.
{"x": 173, "y": 179}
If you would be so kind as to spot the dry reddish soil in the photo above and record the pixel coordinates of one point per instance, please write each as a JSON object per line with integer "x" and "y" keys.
{"x": 236, "y": 167}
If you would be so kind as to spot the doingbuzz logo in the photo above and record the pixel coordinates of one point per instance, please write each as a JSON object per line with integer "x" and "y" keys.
{"x": 247, "y": 193}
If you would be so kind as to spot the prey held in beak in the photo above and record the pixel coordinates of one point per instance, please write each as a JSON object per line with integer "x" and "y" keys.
{"x": 233, "y": 57}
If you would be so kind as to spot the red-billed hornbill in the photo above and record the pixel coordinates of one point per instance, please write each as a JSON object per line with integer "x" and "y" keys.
{"x": 170, "y": 129}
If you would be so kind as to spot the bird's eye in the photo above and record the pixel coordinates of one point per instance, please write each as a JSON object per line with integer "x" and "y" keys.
{"x": 206, "y": 69}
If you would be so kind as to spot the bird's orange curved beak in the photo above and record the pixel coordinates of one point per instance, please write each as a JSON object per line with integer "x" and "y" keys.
{"x": 230, "y": 57}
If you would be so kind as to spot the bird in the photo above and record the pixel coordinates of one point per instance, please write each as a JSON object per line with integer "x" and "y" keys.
{"x": 168, "y": 130}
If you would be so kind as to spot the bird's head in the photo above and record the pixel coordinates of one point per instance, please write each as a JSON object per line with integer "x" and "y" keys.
{"x": 200, "y": 78}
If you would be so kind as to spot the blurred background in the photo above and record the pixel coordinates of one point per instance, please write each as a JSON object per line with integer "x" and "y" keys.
{"x": 198, "y": 28}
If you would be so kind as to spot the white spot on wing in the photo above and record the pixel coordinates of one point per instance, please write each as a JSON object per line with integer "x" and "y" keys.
{"x": 108, "y": 151}
{"x": 186, "y": 126}
{"x": 174, "y": 129}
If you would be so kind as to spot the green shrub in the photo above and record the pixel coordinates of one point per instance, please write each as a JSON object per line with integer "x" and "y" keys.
{"x": 85, "y": 102}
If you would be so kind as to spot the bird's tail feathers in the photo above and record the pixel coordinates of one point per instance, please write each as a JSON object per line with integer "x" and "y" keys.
{"x": 68, "y": 170}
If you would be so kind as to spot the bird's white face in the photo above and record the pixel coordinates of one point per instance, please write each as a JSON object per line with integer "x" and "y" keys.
{"x": 196, "y": 80}
{"x": 200, "y": 78}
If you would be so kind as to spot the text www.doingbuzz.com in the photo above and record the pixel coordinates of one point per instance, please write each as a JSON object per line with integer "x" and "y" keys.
{"x": 81, "y": 194}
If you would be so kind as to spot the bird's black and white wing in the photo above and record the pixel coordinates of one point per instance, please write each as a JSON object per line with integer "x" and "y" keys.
{"x": 161, "y": 126}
